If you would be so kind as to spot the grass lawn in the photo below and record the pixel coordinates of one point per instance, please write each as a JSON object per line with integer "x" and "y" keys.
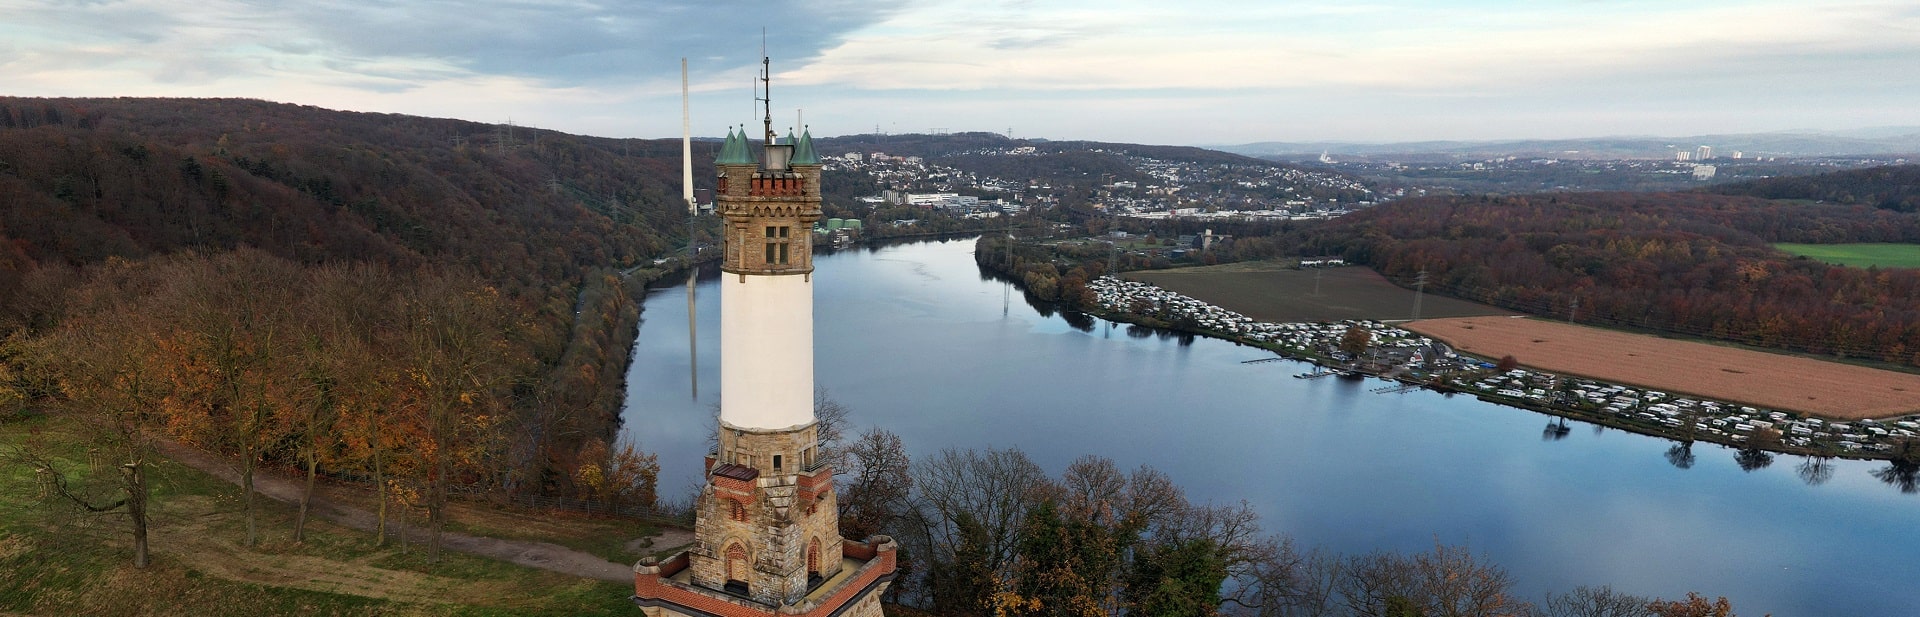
{"x": 60, "y": 562}
{"x": 1885, "y": 255}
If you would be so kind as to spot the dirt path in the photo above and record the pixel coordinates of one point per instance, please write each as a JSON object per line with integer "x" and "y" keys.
{"x": 543, "y": 555}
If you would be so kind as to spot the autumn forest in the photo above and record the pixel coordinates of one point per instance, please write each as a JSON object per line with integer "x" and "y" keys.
{"x": 428, "y": 305}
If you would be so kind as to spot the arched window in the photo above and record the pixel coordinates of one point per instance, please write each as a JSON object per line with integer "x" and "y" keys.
{"x": 813, "y": 564}
{"x": 736, "y": 562}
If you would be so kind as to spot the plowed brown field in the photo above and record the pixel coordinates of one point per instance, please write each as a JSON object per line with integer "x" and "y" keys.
{"x": 1275, "y": 292}
{"x": 1755, "y": 378}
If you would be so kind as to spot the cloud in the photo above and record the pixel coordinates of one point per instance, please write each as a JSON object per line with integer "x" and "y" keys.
{"x": 562, "y": 42}
{"x": 1194, "y": 72}
{"x": 1256, "y": 46}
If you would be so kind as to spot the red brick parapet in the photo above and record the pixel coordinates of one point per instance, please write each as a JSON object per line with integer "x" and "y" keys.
{"x": 777, "y": 187}
{"x": 811, "y": 486}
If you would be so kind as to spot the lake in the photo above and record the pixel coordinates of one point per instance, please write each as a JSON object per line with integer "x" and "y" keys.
{"x": 913, "y": 337}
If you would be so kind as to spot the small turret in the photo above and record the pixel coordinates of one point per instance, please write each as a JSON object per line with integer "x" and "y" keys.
{"x": 734, "y": 151}
{"x": 803, "y": 150}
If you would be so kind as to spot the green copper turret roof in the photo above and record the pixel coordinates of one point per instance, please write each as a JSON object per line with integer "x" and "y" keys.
{"x": 734, "y": 152}
{"x": 803, "y": 150}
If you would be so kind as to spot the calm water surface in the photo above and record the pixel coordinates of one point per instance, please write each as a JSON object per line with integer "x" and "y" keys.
{"x": 914, "y": 339}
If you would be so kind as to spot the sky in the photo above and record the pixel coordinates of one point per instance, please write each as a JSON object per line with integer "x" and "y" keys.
{"x": 1195, "y": 72}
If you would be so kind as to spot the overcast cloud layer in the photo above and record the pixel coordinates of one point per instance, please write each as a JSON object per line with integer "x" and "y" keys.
{"x": 1117, "y": 70}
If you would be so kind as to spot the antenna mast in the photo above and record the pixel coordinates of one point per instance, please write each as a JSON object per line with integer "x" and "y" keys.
{"x": 766, "y": 85}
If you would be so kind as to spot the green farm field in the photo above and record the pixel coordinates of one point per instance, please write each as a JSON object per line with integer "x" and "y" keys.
{"x": 1885, "y": 255}
{"x": 1274, "y": 292}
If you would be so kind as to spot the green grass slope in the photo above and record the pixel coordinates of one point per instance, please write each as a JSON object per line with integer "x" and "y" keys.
{"x": 60, "y": 562}
{"x": 1861, "y": 255}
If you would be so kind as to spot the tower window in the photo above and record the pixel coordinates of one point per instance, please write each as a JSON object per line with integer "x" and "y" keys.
{"x": 776, "y": 462}
{"x": 776, "y": 245}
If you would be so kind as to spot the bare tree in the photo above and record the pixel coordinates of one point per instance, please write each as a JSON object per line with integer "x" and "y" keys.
{"x": 1600, "y": 601}
{"x": 878, "y": 493}
{"x": 230, "y": 336}
{"x": 1283, "y": 582}
{"x": 1095, "y": 488}
{"x": 995, "y": 489}
{"x": 458, "y": 361}
{"x": 1455, "y": 583}
{"x": 830, "y": 418}
{"x": 110, "y": 389}
{"x": 1378, "y": 584}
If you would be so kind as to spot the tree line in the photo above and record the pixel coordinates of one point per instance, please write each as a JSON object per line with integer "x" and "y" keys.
{"x": 544, "y": 218}
{"x": 1892, "y": 187}
{"x": 1689, "y": 263}
{"x": 418, "y": 382}
{"x": 989, "y": 532}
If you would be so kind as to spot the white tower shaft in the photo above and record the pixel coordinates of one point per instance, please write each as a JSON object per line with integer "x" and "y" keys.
{"x": 766, "y": 351}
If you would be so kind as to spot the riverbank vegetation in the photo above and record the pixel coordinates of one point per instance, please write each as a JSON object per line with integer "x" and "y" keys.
{"x": 991, "y": 533}
{"x": 1692, "y": 264}
{"x": 1643, "y": 396}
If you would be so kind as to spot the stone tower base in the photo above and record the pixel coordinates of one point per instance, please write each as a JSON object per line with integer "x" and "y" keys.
{"x": 665, "y": 588}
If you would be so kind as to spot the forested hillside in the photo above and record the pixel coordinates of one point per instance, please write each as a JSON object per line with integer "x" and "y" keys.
{"x": 1689, "y": 263}
{"x": 85, "y": 179}
{"x": 1894, "y": 187}
{"x": 242, "y": 249}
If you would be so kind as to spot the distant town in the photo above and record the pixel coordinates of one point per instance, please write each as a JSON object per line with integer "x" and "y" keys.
{"x": 1174, "y": 189}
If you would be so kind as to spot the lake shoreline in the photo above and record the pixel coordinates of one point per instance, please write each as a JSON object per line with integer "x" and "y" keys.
{"x": 1625, "y": 423}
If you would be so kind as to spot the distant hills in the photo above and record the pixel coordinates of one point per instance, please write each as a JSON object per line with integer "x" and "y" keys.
{"x": 929, "y": 145}
{"x": 1892, "y": 187}
{"x": 1691, "y": 263}
{"x": 88, "y": 179}
{"x": 1876, "y": 141}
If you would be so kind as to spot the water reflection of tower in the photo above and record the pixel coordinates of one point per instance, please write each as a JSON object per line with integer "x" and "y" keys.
{"x": 693, "y": 246}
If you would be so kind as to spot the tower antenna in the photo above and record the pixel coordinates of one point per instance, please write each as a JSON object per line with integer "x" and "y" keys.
{"x": 766, "y": 85}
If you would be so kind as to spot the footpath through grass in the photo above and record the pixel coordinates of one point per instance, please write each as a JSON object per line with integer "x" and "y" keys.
{"x": 1884, "y": 255}
{"x": 60, "y": 562}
